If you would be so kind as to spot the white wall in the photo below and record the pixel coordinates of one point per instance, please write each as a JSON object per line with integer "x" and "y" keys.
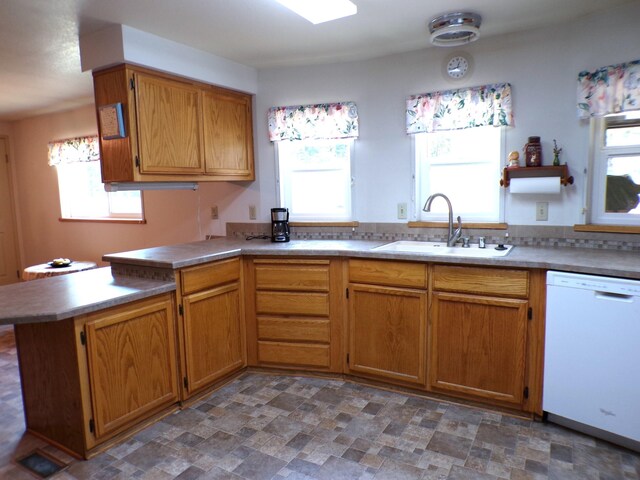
{"x": 541, "y": 65}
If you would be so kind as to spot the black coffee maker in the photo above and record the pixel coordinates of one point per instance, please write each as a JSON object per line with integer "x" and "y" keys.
{"x": 279, "y": 224}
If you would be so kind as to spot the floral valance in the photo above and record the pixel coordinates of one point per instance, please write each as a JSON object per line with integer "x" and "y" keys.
{"x": 322, "y": 121}
{"x": 611, "y": 89}
{"x": 462, "y": 108}
{"x": 81, "y": 149}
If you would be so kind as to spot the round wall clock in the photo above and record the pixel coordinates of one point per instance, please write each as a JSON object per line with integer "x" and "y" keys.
{"x": 457, "y": 66}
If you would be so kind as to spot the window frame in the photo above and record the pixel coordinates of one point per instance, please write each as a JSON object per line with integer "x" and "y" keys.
{"x": 417, "y": 214}
{"x": 596, "y": 182}
{"x": 321, "y": 219}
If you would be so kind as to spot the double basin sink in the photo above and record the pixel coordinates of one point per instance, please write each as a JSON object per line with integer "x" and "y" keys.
{"x": 441, "y": 248}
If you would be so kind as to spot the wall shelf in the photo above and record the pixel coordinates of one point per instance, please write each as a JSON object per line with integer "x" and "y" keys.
{"x": 561, "y": 171}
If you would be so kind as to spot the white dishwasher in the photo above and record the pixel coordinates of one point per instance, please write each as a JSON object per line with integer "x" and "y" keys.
{"x": 592, "y": 356}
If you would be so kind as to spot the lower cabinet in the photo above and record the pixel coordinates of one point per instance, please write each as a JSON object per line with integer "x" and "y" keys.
{"x": 387, "y": 320}
{"x": 478, "y": 335}
{"x": 294, "y": 314}
{"x": 212, "y": 323}
{"x": 89, "y": 378}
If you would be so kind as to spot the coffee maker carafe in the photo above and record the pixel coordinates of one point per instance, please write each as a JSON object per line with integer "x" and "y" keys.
{"x": 279, "y": 225}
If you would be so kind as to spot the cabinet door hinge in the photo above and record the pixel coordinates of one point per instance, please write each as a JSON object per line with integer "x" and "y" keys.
{"x": 186, "y": 383}
{"x": 92, "y": 426}
{"x": 181, "y": 310}
{"x": 347, "y": 359}
{"x": 347, "y": 291}
{"x": 132, "y": 84}
{"x": 530, "y": 313}
{"x": 526, "y": 392}
{"x": 83, "y": 339}
{"x": 137, "y": 161}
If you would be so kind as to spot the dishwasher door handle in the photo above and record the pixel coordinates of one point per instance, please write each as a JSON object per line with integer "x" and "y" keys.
{"x": 615, "y": 297}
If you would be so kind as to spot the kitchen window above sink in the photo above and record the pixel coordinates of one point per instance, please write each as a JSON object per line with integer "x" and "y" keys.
{"x": 441, "y": 248}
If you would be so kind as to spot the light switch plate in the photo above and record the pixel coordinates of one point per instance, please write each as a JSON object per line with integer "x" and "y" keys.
{"x": 252, "y": 212}
{"x": 402, "y": 211}
{"x": 542, "y": 211}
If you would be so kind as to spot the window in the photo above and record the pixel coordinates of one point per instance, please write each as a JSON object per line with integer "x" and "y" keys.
{"x": 465, "y": 166}
{"x": 82, "y": 194}
{"x": 314, "y": 179}
{"x": 616, "y": 170}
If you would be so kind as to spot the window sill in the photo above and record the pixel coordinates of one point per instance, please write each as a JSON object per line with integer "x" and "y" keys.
{"x": 324, "y": 224}
{"x": 135, "y": 221}
{"x": 607, "y": 228}
{"x": 477, "y": 226}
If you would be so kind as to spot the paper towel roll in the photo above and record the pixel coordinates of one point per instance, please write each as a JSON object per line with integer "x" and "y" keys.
{"x": 535, "y": 185}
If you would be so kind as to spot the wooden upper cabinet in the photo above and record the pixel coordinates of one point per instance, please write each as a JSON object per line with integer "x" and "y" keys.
{"x": 228, "y": 133}
{"x": 168, "y": 115}
{"x": 175, "y": 129}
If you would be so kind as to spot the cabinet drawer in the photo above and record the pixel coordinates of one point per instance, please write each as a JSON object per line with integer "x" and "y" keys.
{"x": 293, "y": 354}
{"x": 489, "y": 281}
{"x": 198, "y": 278}
{"x": 295, "y": 303}
{"x": 294, "y": 329}
{"x": 385, "y": 272}
{"x": 296, "y": 275}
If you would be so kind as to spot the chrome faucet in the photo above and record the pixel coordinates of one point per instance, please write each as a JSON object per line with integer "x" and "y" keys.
{"x": 454, "y": 236}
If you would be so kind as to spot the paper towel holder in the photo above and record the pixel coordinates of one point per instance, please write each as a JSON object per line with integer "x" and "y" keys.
{"x": 561, "y": 171}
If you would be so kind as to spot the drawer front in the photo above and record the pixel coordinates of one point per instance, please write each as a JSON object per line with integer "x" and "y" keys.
{"x": 292, "y": 303}
{"x": 385, "y": 272}
{"x": 488, "y": 281}
{"x": 293, "y": 354}
{"x": 292, "y": 275}
{"x": 294, "y": 329}
{"x": 198, "y": 278}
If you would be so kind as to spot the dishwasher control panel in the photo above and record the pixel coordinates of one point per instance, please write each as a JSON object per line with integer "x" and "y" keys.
{"x": 621, "y": 286}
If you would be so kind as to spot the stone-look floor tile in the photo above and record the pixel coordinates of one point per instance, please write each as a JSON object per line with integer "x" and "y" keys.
{"x": 340, "y": 469}
{"x": 463, "y": 473}
{"x": 451, "y": 445}
{"x": 259, "y": 466}
{"x": 392, "y": 470}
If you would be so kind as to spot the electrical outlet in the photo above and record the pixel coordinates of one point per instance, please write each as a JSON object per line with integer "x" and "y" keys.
{"x": 214, "y": 212}
{"x": 252, "y": 212}
{"x": 542, "y": 211}
{"x": 402, "y": 211}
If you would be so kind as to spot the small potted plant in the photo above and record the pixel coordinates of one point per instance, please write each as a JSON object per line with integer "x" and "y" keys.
{"x": 556, "y": 154}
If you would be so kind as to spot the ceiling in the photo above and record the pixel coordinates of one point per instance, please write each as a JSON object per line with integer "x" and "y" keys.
{"x": 40, "y": 58}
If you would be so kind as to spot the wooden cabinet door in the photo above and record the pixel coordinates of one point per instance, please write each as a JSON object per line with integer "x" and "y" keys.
{"x": 478, "y": 346}
{"x": 131, "y": 354}
{"x": 168, "y": 120}
{"x": 228, "y": 133}
{"x": 213, "y": 335}
{"x": 387, "y": 332}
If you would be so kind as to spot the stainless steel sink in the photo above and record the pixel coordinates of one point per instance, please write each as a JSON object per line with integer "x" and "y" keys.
{"x": 440, "y": 248}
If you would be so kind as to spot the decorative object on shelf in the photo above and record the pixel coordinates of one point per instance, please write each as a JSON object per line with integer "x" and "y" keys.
{"x": 514, "y": 159}
{"x": 556, "y": 154}
{"x": 533, "y": 152}
{"x": 561, "y": 171}
{"x": 455, "y": 29}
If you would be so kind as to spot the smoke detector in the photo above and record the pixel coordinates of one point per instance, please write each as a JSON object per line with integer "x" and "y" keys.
{"x": 455, "y": 29}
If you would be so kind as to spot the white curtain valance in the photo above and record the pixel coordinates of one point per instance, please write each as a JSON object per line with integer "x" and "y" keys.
{"x": 321, "y": 121}
{"x": 70, "y": 150}
{"x": 462, "y": 108}
{"x": 611, "y": 89}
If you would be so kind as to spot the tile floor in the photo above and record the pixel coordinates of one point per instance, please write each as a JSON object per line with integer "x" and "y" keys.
{"x": 275, "y": 427}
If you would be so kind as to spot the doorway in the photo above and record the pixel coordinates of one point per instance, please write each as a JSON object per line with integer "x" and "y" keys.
{"x": 9, "y": 263}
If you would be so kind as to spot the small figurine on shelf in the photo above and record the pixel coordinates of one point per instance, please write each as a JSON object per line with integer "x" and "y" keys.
{"x": 514, "y": 159}
{"x": 556, "y": 154}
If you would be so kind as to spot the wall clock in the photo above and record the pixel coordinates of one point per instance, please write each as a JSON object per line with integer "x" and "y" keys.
{"x": 457, "y": 66}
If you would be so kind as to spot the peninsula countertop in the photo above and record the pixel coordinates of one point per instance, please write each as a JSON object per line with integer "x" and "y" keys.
{"x": 57, "y": 298}
{"x": 65, "y": 296}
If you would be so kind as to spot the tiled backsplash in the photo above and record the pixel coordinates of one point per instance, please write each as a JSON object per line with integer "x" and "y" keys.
{"x": 524, "y": 235}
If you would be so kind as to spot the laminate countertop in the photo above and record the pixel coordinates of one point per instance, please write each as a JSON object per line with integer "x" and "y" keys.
{"x": 66, "y": 296}
{"x": 616, "y": 263}
{"x": 57, "y": 298}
